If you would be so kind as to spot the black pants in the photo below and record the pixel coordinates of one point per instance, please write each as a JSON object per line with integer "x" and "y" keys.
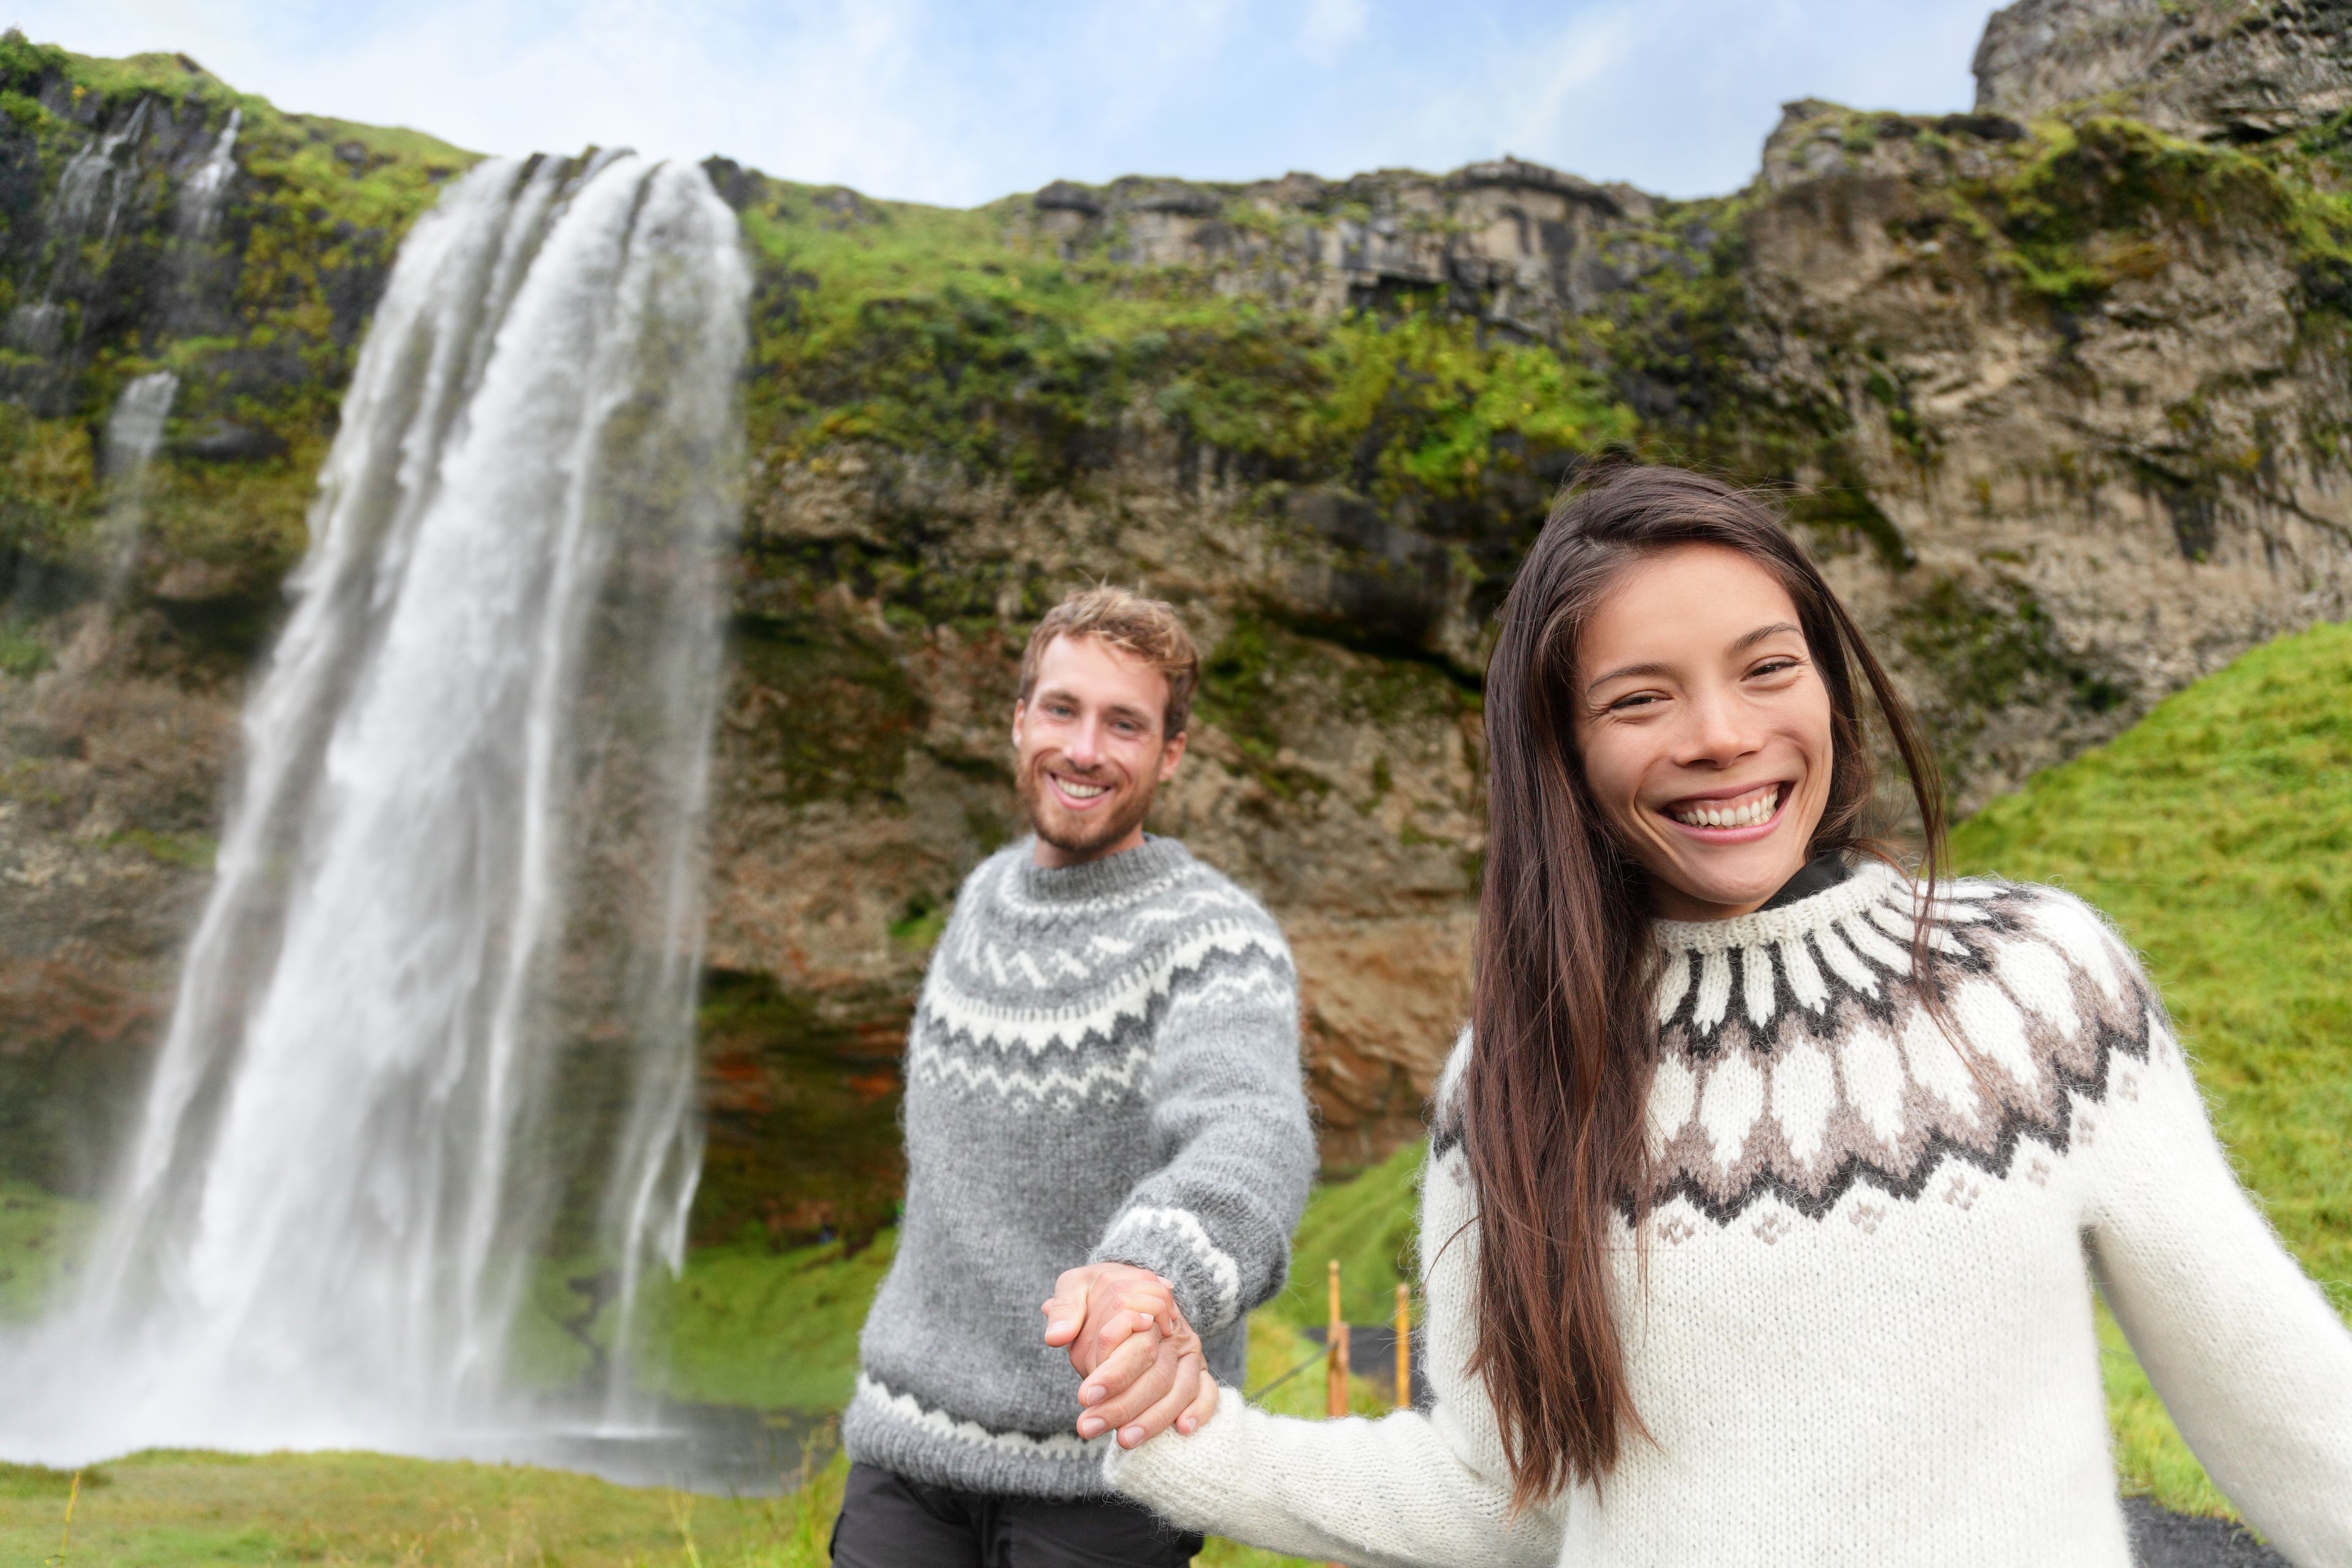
{"x": 889, "y": 1521}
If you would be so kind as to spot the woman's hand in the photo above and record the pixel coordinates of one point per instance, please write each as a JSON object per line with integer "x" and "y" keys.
{"x": 1143, "y": 1364}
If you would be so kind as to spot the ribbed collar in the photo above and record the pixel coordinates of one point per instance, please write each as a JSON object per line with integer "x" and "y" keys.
{"x": 1863, "y": 885}
{"x": 1112, "y": 877}
{"x": 1824, "y": 871}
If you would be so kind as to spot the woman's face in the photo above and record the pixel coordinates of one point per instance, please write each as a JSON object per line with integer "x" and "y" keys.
{"x": 1704, "y": 728}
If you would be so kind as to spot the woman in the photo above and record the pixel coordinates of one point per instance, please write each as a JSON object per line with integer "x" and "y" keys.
{"x": 1760, "y": 1223}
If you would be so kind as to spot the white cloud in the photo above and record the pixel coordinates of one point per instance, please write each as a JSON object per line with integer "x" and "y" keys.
{"x": 962, "y": 100}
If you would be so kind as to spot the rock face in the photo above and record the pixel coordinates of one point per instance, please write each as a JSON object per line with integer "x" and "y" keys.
{"x": 2214, "y": 69}
{"x": 2112, "y": 452}
{"x": 2057, "y": 396}
{"x": 1514, "y": 243}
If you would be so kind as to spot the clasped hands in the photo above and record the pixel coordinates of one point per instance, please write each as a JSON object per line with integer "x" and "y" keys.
{"x": 1142, "y": 1363}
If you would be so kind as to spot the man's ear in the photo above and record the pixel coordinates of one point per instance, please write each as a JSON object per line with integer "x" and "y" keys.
{"x": 1020, "y": 710}
{"x": 1171, "y": 752}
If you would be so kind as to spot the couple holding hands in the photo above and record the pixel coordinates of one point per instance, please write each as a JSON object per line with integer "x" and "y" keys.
{"x": 1767, "y": 1192}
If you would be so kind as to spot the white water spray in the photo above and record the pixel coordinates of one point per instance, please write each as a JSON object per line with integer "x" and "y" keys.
{"x": 435, "y": 1020}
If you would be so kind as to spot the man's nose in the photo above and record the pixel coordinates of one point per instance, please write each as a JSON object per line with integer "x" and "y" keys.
{"x": 1085, "y": 743}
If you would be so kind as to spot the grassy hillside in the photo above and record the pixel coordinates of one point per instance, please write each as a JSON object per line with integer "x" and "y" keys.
{"x": 2217, "y": 833}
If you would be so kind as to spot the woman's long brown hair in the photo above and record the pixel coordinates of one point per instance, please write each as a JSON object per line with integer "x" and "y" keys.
{"x": 1559, "y": 1079}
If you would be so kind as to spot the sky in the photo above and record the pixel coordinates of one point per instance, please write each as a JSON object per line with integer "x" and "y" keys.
{"x": 960, "y": 101}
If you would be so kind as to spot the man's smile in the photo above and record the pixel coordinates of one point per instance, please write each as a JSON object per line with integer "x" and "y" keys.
{"x": 1078, "y": 793}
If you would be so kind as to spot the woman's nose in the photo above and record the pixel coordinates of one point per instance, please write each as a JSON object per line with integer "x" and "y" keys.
{"x": 1719, "y": 729}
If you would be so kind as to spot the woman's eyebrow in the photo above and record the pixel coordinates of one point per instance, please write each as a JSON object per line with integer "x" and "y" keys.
{"x": 1623, "y": 670}
{"x": 1761, "y": 633}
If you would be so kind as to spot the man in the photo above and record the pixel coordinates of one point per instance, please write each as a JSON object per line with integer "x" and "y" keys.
{"x": 1103, "y": 1101}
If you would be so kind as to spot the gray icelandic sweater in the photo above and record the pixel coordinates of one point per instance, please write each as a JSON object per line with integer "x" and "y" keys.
{"x": 1103, "y": 1066}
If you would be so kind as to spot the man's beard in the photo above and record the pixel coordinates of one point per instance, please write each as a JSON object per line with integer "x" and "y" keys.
{"x": 1081, "y": 835}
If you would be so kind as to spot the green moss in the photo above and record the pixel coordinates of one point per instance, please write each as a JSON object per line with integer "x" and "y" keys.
{"x": 305, "y": 241}
{"x": 2083, "y": 205}
{"x": 1244, "y": 693}
{"x": 928, "y": 332}
{"x": 834, "y": 704}
{"x": 195, "y": 850}
{"x": 1991, "y": 646}
{"x": 22, "y": 653}
{"x": 919, "y": 923}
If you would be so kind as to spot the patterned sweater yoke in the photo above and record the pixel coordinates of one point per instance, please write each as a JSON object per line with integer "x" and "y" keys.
{"x": 1103, "y": 1066}
{"x": 1858, "y": 1310}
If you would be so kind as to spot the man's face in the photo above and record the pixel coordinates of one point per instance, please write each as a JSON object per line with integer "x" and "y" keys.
{"x": 1089, "y": 752}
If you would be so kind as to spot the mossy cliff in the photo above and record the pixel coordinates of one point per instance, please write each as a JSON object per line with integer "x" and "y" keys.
{"x": 2057, "y": 393}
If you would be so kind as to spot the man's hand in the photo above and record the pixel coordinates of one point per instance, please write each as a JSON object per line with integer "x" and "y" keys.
{"x": 1142, "y": 1361}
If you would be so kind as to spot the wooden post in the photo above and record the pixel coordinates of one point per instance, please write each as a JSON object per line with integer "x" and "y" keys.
{"x": 1404, "y": 1346}
{"x": 1335, "y": 1384}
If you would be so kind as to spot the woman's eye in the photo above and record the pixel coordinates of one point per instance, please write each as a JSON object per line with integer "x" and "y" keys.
{"x": 1638, "y": 699}
{"x": 1775, "y": 667}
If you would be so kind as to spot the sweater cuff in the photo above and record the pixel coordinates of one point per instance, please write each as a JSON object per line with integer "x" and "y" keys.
{"x": 1183, "y": 1478}
{"x": 1173, "y": 1243}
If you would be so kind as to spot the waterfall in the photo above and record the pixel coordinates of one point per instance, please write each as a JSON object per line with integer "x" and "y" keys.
{"x": 133, "y": 431}
{"x": 200, "y": 198}
{"x": 135, "y": 428}
{"x": 108, "y": 164}
{"x": 435, "y": 1022}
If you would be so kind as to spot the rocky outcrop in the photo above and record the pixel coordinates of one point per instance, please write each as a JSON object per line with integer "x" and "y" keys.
{"x": 2093, "y": 388}
{"x": 1513, "y": 243}
{"x": 2213, "y": 70}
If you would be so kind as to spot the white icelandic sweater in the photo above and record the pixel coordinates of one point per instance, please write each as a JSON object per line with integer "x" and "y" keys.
{"x": 1866, "y": 1333}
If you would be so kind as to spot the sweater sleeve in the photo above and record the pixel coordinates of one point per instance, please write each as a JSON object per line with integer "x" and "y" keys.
{"x": 1229, "y": 1123}
{"x": 2249, "y": 1357}
{"x": 1409, "y": 1488}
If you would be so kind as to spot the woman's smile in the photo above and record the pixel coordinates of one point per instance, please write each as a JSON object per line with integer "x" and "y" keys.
{"x": 1737, "y": 817}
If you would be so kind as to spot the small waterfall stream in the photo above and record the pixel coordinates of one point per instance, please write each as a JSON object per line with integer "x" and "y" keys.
{"x": 435, "y": 1025}
{"x": 134, "y": 430}
{"x": 200, "y": 197}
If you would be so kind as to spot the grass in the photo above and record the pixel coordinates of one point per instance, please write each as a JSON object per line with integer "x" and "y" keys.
{"x": 39, "y": 1236}
{"x": 2217, "y": 833}
{"x": 166, "y": 1508}
{"x": 747, "y": 1326}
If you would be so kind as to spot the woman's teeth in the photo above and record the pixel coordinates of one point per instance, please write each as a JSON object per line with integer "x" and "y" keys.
{"x": 1078, "y": 791}
{"x": 1748, "y": 813}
